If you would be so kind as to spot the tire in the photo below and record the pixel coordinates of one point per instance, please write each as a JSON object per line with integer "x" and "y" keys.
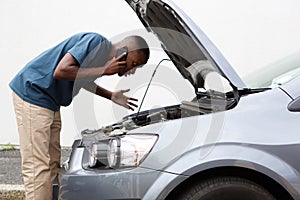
{"x": 224, "y": 188}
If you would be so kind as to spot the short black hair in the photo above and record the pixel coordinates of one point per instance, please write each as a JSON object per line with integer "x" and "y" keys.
{"x": 141, "y": 45}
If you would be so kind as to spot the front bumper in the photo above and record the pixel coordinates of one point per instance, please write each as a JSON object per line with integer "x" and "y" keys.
{"x": 75, "y": 182}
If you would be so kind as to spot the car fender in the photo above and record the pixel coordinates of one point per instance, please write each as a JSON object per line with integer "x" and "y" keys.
{"x": 227, "y": 155}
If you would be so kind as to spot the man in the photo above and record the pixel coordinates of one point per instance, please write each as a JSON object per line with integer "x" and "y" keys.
{"x": 52, "y": 80}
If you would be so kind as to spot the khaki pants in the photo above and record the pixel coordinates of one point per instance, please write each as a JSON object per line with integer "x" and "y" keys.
{"x": 39, "y": 134}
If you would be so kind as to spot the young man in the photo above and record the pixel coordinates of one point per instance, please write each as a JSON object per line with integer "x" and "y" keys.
{"x": 52, "y": 80}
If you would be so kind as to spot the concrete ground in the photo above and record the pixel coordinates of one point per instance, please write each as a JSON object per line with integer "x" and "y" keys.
{"x": 11, "y": 183}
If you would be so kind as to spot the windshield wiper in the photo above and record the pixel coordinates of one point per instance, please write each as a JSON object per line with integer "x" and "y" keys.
{"x": 245, "y": 91}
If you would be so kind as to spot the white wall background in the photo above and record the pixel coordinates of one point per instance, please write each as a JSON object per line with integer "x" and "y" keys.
{"x": 247, "y": 32}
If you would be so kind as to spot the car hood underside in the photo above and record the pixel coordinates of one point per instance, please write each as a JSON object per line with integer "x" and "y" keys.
{"x": 183, "y": 41}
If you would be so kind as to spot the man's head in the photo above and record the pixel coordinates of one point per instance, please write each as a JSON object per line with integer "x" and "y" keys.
{"x": 138, "y": 53}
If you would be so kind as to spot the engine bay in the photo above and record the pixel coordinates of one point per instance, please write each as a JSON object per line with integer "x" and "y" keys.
{"x": 204, "y": 103}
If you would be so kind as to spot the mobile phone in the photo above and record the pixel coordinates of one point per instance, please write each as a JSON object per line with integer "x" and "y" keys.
{"x": 120, "y": 51}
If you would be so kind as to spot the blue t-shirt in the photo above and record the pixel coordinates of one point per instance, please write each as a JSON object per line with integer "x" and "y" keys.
{"x": 35, "y": 82}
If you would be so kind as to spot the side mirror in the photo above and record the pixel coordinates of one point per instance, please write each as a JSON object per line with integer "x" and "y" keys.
{"x": 294, "y": 106}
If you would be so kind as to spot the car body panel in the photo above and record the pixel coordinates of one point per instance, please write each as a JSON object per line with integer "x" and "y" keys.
{"x": 78, "y": 183}
{"x": 225, "y": 156}
{"x": 192, "y": 152}
{"x": 222, "y": 127}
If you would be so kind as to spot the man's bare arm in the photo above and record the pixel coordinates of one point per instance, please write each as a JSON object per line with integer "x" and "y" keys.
{"x": 68, "y": 69}
{"x": 96, "y": 89}
{"x": 117, "y": 97}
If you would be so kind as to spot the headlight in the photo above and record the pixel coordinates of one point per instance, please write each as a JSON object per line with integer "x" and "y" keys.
{"x": 125, "y": 151}
{"x": 98, "y": 153}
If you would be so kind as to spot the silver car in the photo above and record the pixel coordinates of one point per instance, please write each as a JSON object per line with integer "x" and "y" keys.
{"x": 237, "y": 141}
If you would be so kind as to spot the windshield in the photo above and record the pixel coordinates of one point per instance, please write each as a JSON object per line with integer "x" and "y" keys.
{"x": 275, "y": 74}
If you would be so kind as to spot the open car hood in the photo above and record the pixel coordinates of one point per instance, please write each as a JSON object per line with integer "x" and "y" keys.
{"x": 183, "y": 41}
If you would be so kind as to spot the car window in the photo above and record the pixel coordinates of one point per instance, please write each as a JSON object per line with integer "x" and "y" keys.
{"x": 275, "y": 74}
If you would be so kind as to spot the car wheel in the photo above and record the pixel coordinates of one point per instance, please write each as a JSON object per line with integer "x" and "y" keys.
{"x": 225, "y": 188}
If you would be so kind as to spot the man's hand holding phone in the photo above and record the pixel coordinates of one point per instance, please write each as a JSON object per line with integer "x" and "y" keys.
{"x": 115, "y": 64}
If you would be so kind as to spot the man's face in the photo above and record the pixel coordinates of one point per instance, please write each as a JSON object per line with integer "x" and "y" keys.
{"x": 135, "y": 59}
